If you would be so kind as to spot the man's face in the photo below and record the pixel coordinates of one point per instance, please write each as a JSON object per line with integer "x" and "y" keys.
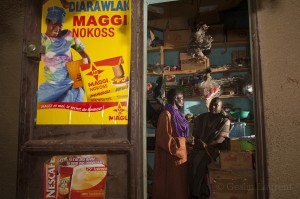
{"x": 215, "y": 106}
{"x": 53, "y": 28}
{"x": 179, "y": 100}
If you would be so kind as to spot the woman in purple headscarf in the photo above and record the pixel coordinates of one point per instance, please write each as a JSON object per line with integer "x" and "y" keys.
{"x": 170, "y": 166}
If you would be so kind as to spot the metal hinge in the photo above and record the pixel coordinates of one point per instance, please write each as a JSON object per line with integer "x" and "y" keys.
{"x": 34, "y": 49}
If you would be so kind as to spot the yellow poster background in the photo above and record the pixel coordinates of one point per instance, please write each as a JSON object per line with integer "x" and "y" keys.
{"x": 105, "y": 109}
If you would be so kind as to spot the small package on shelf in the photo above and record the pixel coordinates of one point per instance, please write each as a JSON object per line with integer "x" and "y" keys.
{"x": 171, "y": 80}
{"x": 231, "y": 86}
{"x": 240, "y": 58}
{"x": 189, "y": 63}
{"x": 187, "y": 90}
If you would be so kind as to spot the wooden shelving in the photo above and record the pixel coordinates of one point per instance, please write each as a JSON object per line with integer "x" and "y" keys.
{"x": 189, "y": 72}
{"x": 222, "y": 97}
{"x": 247, "y": 123}
{"x": 214, "y": 45}
{"x": 230, "y": 70}
{"x": 155, "y": 49}
{"x": 179, "y": 72}
{"x": 213, "y": 70}
{"x": 229, "y": 44}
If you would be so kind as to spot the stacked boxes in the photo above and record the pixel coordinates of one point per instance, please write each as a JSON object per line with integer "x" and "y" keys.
{"x": 176, "y": 37}
{"x": 217, "y": 32}
{"x": 237, "y": 35}
{"x": 171, "y": 23}
{"x": 229, "y": 184}
{"x": 234, "y": 175}
{"x": 189, "y": 63}
{"x": 236, "y": 160}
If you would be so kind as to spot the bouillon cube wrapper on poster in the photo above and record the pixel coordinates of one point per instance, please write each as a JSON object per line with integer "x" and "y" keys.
{"x": 77, "y": 177}
{"x": 105, "y": 80}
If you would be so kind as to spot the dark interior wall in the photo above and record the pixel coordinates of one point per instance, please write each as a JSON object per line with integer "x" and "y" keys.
{"x": 11, "y": 36}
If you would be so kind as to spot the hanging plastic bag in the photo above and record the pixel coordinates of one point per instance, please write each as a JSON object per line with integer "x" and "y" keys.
{"x": 210, "y": 88}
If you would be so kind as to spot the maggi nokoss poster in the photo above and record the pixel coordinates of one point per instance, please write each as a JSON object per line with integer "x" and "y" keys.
{"x": 84, "y": 74}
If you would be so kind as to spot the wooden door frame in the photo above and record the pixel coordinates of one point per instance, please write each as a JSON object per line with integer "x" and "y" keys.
{"x": 131, "y": 145}
{"x": 261, "y": 164}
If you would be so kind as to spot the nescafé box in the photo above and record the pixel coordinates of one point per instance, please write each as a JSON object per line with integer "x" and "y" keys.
{"x": 75, "y": 176}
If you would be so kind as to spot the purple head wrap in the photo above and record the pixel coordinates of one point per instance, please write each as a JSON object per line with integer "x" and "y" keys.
{"x": 180, "y": 123}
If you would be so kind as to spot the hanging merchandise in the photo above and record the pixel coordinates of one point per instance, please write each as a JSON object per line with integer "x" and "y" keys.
{"x": 248, "y": 87}
{"x": 155, "y": 104}
{"x": 210, "y": 88}
{"x": 199, "y": 42}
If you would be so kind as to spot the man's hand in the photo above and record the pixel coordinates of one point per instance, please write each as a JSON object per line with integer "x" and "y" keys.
{"x": 200, "y": 144}
{"x": 190, "y": 140}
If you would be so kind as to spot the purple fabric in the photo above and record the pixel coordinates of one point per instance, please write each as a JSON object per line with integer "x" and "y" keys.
{"x": 180, "y": 123}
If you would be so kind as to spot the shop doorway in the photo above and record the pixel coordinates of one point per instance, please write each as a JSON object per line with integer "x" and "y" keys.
{"x": 224, "y": 20}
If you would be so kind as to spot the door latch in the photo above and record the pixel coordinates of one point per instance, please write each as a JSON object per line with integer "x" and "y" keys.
{"x": 34, "y": 49}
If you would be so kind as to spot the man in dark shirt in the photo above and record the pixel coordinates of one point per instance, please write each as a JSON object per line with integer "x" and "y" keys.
{"x": 210, "y": 129}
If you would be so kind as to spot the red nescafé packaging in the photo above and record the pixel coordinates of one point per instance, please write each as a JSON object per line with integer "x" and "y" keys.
{"x": 75, "y": 177}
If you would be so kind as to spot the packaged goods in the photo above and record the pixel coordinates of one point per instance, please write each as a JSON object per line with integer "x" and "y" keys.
{"x": 104, "y": 79}
{"x": 74, "y": 71}
{"x": 236, "y": 160}
{"x": 75, "y": 176}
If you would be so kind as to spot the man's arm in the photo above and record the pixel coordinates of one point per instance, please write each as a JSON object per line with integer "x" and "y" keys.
{"x": 223, "y": 134}
{"x": 219, "y": 140}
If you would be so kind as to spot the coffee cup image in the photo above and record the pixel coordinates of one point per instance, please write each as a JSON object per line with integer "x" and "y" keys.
{"x": 119, "y": 75}
{"x": 118, "y": 70}
{"x": 84, "y": 179}
{"x": 64, "y": 191}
